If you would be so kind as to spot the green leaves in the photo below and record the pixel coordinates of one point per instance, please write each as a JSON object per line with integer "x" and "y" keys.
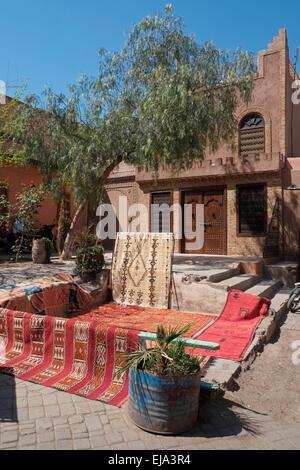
{"x": 163, "y": 99}
{"x": 20, "y": 215}
{"x": 10, "y": 152}
{"x": 89, "y": 261}
{"x": 89, "y": 254}
{"x": 165, "y": 337}
{"x": 49, "y": 248}
{"x": 166, "y": 357}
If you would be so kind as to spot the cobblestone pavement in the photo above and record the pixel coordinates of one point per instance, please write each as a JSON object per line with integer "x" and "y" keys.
{"x": 20, "y": 272}
{"x": 42, "y": 418}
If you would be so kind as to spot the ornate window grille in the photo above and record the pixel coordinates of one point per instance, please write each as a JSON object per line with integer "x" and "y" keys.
{"x": 252, "y": 135}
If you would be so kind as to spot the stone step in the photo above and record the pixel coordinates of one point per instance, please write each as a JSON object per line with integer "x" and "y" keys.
{"x": 241, "y": 282}
{"x": 211, "y": 275}
{"x": 265, "y": 288}
{"x": 278, "y": 310}
{"x": 223, "y": 274}
{"x": 280, "y": 299}
{"x": 222, "y": 371}
{"x": 284, "y": 271}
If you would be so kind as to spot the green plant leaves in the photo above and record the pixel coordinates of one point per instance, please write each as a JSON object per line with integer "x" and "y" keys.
{"x": 89, "y": 255}
{"x": 166, "y": 357}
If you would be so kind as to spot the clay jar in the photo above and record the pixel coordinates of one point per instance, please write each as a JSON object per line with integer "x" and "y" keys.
{"x": 39, "y": 253}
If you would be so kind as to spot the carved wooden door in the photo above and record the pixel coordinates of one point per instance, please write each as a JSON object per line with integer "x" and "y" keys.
{"x": 214, "y": 221}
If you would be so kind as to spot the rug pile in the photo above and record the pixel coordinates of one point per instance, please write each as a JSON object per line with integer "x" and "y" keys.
{"x": 145, "y": 319}
{"x": 82, "y": 354}
{"x": 67, "y": 354}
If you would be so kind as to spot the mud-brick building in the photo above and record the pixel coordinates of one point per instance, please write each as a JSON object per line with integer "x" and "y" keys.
{"x": 251, "y": 196}
{"x": 250, "y": 208}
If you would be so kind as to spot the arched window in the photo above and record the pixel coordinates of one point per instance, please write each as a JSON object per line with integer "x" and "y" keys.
{"x": 252, "y": 135}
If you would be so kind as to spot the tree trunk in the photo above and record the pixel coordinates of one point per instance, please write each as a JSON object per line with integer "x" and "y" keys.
{"x": 64, "y": 221}
{"x": 19, "y": 247}
{"x": 66, "y": 253}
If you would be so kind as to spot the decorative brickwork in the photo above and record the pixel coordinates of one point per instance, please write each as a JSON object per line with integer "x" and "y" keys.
{"x": 226, "y": 170}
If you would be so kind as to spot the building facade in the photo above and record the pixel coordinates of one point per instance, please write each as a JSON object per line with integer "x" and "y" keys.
{"x": 249, "y": 207}
{"x": 250, "y": 194}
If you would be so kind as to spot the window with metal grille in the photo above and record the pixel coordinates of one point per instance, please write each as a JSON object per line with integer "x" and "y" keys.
{"x": 160, "y": 212}
{"x": 251, "y": 209}
{"x": 252, "y": 135}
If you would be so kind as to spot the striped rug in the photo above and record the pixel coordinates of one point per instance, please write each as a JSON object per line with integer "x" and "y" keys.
{"x": 68, "y": 354}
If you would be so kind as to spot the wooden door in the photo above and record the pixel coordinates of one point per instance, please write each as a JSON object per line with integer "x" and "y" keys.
{"x": 214, "y": 233}
{"x": 214, "y": 220}
{"x": 191, "y": 199}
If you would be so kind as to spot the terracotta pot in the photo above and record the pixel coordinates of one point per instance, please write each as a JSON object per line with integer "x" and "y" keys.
{"x": 39, "y": 253}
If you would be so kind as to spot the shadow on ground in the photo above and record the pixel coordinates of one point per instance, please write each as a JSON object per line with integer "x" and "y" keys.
{"x": 223, "y": 417}
{"x": 8, "y": 402}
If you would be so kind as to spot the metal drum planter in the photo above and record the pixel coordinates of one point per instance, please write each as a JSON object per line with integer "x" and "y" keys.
{"x": 164, "y": 404}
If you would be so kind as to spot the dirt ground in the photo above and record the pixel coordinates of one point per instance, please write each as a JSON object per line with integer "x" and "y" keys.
{"x": 272, "y": 384}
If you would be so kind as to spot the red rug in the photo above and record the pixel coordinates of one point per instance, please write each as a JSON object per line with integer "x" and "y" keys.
{"x": 235, "y": 327}
{"x": 145, "y": 318}
{"x": 68, "y": 354}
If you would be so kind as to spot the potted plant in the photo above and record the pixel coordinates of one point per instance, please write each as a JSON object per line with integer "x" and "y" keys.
{"x": 42, "y": 250}
{"x": 164, "y": 384}
{"x": 89, "y": 256}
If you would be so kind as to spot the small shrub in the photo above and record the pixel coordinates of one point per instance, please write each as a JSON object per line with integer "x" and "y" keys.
{"x": 20, "y": 216}
{"x": 89, "y": 255}
{"x": 49, "y": 248}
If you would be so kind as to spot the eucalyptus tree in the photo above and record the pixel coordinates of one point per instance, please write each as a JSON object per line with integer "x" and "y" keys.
{"x": 163, "y": 99}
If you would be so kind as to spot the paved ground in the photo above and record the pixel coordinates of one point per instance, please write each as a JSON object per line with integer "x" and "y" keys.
{"x": 37, "y": 417}
{"x": 12, "y": 272}
{"x": 15, "y": 273}
{"x": 263, "y": 412}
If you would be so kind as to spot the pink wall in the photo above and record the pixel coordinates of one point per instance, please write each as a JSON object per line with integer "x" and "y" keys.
{"x": 265, "y": 100}
{"x": 15, "y": 176}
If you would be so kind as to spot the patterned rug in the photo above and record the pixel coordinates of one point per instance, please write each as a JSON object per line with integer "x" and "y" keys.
{"x": 67, "y": 354}
{"x": 235, "y": 327}
{"x": 141, "y": 269}
{"x": 145, "y": 319}
{"x": 54, "y": 295}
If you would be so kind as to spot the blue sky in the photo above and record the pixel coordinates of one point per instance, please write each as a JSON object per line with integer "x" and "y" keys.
{"x": 53, "y": 42}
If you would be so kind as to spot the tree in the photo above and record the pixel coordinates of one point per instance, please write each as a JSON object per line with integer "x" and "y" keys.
{"x": 20, "y": 216}
{"x": 164, "y": 99}
{"x": 10, "y": 125}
